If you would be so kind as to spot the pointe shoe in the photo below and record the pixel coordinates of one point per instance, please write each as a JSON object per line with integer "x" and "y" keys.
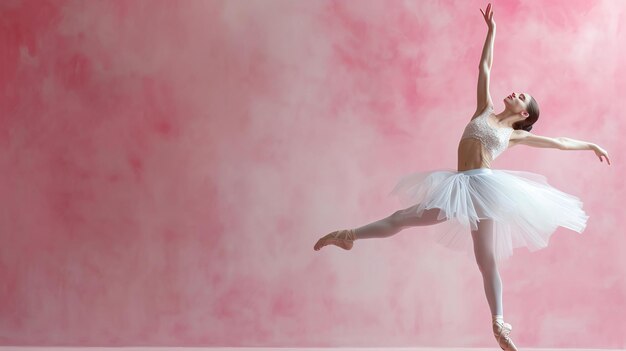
{"x": 502, "y": 333}
{"x": 342, "y": 238}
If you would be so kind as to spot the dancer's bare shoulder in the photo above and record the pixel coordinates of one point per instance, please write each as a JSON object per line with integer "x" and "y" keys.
{"x": 516, "y": 136}
{"x": 481, "y": 109}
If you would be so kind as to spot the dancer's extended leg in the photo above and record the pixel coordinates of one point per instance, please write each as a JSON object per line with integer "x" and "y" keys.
{"x": 382, "y": 228}
{"x": 396, "y": 222}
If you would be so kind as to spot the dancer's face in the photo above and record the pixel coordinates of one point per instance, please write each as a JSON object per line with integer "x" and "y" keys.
{"x": 517, "y": 102}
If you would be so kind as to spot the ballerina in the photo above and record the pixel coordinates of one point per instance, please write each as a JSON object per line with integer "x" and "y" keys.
{"x": 502, "y": 209}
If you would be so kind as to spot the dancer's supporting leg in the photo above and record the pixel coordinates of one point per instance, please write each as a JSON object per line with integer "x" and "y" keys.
{"x": 484, "y": 250}
{"x": 382, "y": 228}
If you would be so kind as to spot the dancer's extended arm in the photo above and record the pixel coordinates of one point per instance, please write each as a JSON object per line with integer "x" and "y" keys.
{"x": 562, "y": 143}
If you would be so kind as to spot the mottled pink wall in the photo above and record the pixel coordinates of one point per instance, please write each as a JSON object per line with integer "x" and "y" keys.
{"x": 168, "y": 165}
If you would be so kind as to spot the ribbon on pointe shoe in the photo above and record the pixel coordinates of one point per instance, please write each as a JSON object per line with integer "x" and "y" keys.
{"x": 502, "y": 335}
{"x": 345, "y": 237}
{"x": 347, "y": 234}
{"x": 504, "y": 326}
{"x": 342, "y": 238}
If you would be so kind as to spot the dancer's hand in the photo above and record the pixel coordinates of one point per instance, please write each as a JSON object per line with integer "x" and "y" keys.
{"x": 601, "y": 152}
{"x": 489, "y": 17}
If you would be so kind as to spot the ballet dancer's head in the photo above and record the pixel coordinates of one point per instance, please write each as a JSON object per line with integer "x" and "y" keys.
{"x": 526, "y": 107}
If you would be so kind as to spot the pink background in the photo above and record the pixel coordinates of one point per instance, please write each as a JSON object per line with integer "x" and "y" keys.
{"x": 168, "y": 165}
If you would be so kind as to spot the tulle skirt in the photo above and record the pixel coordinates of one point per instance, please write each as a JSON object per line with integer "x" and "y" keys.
{"x": 525, "y": 209}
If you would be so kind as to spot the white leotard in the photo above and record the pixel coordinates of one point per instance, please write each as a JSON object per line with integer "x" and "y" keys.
{"x": 494, "y": 139}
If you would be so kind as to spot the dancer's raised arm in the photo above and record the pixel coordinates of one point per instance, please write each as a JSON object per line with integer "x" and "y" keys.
{"x": 484, "y": 68}
{"x": 487, "y": 56}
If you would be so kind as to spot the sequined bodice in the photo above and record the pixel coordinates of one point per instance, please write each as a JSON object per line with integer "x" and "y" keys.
{"x": 494, "y": 139}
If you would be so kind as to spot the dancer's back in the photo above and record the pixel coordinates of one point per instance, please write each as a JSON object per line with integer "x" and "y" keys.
{"x": 482, "y": 142}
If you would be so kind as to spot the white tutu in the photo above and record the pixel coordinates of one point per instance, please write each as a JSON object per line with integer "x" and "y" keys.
{"x": 526, "y": 210}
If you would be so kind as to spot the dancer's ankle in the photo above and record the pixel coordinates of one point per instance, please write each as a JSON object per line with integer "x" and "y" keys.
{"x": 352, "y": 234}
{"x": 497, "y": 318}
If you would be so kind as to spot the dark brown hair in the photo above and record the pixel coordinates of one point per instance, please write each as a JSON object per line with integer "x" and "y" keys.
{"x": 533, "y": 116}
